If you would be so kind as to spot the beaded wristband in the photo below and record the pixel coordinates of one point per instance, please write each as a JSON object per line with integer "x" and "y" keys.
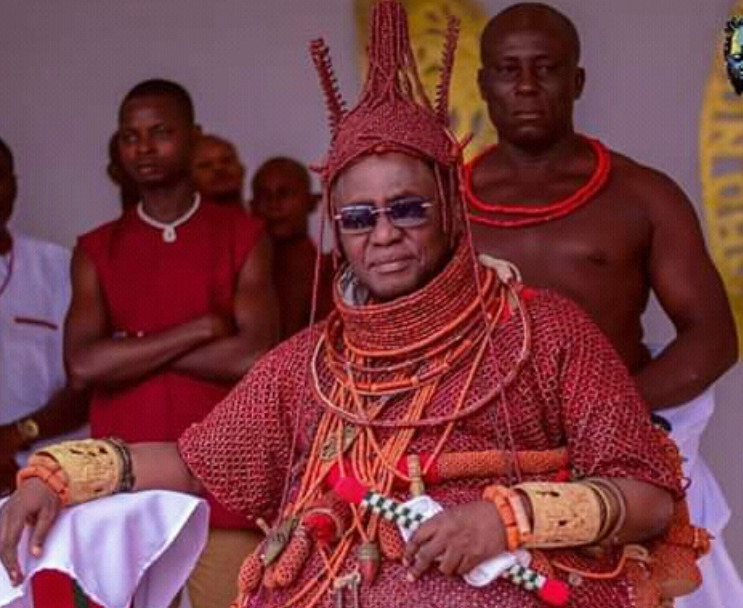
{"x": 522, "y": 518}
{"x": 79, "y": 471}
{"x": 498, "y": 495}
{"x": 55, "y": 479}
{"x": 563, "y": 514}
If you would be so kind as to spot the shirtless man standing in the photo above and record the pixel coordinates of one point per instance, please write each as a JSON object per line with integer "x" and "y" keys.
{"x": 605, "y": 231}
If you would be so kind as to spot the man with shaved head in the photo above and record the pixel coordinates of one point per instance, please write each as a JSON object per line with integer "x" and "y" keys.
{"x": 604, "y": 230}
{"x": 283, "y": 198}
{"x": 217, "y": 171}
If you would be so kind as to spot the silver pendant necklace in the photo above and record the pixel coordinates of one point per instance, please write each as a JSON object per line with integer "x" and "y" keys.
{"x": 168, "y": 228}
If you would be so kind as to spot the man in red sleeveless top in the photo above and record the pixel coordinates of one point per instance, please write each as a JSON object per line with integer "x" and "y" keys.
{"x": 283, "y": 197}
{"x": 172, "y": 304}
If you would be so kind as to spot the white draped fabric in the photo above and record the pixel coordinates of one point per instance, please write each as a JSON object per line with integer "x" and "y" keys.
{"x": 138, "y": 546}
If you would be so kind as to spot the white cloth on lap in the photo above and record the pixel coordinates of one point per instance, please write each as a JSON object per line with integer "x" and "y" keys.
{"x": 142, "y": 546}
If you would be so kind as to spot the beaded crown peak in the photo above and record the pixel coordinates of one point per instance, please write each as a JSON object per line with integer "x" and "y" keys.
{"x": 393, "y": 112}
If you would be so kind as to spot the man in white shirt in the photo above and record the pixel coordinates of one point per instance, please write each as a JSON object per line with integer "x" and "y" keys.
{"x": 36, "y": 404}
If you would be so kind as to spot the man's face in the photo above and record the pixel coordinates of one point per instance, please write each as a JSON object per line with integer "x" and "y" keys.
{"x": 155, "y": 141}
{"x": 7, "y": 190}
{"x": 530, "y": 82}
{"x": 217, "y": 171}
{"x": 282, "y": 198}
{"x": 392, "y": 261}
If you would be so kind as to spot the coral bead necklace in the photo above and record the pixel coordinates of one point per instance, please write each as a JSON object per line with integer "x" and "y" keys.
{"x": 516, "y": 216}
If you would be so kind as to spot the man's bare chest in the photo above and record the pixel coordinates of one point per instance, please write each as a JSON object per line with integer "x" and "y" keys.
{"x": 607, "y": 232}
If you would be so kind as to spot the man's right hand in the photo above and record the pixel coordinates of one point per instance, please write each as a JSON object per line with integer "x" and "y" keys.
{"x": 34, "y": 504}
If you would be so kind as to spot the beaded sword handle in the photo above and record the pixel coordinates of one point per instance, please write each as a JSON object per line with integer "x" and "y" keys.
{"x": 552, "y": 592}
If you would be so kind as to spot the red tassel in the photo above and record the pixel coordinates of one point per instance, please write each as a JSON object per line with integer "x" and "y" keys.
{"x": 328, "y": 519}
{"x": 321, "y": 526}
{"x": 554, "y": 592}
{"x": 350, "y": 490}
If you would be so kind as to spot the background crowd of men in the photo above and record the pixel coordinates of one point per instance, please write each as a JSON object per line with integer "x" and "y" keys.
{"x": 156, "y": 331}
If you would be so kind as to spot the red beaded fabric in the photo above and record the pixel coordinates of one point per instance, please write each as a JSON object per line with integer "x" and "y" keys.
{"x": 572, "y": 391}
{"x": 447, "y": 368}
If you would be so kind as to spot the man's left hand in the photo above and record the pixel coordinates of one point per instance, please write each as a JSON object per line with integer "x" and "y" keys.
{"x": 458, "y": 539}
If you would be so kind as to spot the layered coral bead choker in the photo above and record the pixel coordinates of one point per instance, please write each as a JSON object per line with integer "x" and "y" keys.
{"x": 517, "y": 216}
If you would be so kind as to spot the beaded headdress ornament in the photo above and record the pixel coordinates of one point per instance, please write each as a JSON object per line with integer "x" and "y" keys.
{"x": 393, "y": 113}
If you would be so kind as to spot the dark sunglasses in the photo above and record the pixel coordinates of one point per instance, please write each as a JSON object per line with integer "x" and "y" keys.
{"x": 407, "y": 212}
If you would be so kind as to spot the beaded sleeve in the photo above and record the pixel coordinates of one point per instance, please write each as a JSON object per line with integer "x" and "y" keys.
{"x": 607, "y": 423}
{"x": 241, "y": 450}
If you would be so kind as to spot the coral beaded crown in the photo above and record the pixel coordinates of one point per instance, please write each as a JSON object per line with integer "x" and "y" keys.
{"x": 393, "y": 113}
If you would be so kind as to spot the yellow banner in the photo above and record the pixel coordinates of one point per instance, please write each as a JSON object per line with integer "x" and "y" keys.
{"x": 721, "y": 166}
{"x": 427, "y": 19}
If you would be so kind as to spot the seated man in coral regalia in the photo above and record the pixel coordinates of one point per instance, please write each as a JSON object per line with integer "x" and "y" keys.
{"x": 435, "y": 373}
